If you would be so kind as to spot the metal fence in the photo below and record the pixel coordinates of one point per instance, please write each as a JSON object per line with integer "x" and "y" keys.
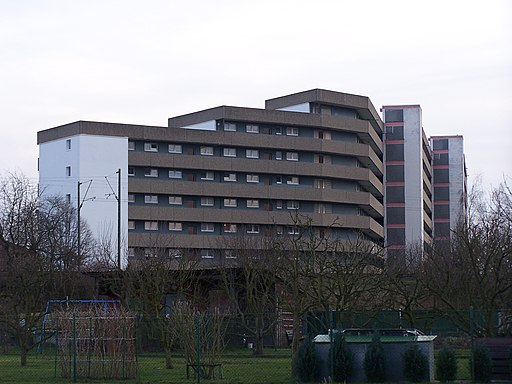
{"x": 218, "y": 348}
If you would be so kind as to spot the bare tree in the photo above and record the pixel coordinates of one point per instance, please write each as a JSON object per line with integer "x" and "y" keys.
{"x": 347, "y": 275}
{"x": 147, "y": 282}
{"x": 250, "y": 283}
{"x": 40, "y": 258}
{"x": 477, "y": 271}
{"x": 295, "y": 253}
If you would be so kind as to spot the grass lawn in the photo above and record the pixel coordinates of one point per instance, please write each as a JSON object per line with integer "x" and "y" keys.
{"x": 240, "y": 367}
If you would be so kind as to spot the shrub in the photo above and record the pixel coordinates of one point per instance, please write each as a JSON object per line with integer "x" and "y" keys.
{"x": 482, "y": 364}
{"x": 341, "y": 359}
{"x": 510, "y": 358}
{"x": 415, "y": 364}
{"x": 375, "y": 361}
{"x": 307, "y": 364}
{"x": 446, "y": 365}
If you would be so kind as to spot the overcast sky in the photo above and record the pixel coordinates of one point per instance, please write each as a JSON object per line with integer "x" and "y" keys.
{"x": 142, "y": 62}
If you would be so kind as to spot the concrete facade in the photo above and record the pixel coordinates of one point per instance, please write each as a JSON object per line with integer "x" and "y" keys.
{"x": 449, "y": 181}
{"x": 223, "y": 172}
{"x": 407, "y": 180}
{"x": 91, "y": 160}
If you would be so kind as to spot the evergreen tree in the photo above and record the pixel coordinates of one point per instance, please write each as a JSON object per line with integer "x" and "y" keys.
{"x": 415, "y": 364}
{"x": 446, "y": 365}
{"x": 341, "y": 360}
{"x": 375, "y": 361}
{"x": 307, "y": 364}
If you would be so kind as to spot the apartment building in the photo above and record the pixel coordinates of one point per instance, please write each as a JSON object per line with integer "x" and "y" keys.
{"x": 408, "y": 173}
{"x": 450, "y": 186}
{"x": 215, "y": 174}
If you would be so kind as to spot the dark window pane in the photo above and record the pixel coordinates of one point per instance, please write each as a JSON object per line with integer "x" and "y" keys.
{"x": 396, "y": 236}
{"x": 395, "y": 173}
{"x": 394, "y": 152}
{"x": 396, "y": 215}
{"x": 395, "y": 194}
{"x": 394, "y": 115}
{"x": 441, "y": 176}
{"x": 441, "y": 211}
{"x": 441, "y": 229}
{"x": 395, "y": 133}
{"x": 440, "y": 144}
{"x": 441, "y": 193}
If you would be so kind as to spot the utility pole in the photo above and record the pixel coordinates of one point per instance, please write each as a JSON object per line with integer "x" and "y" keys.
{"x": 119, "y": 218}
{"x": 78, "y": 206}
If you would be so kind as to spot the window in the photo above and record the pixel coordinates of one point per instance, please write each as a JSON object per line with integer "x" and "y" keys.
{"x": 207, "y": 201}
{"x": 292, "y": 156}
{"x": 229, "y": 254}
{"x": 68, "y": 198}
{"x": 68, "y": 170}
{"x": 279, "y": 131}
{"x": 279, "y": 204}
{"x": 293, "y": 230}
{"x": 206, "y": 151}
{"x": 394, "y": 115}
{"x": 230, "y": 127}
{"x": 175, "y": 148}
{"x": 253, "y": 203}
{"x": 68, "y": 144}
{"x": 229, "y": 202}
{"x": 207, "y": 254}
{"x": 279, "y": 179}
{"x": 230, "y": 152}
{"x": 131, "y": 198}
{"x": 253, "y": 179}
{"x": 230, "y": 177}
{"x": 175, "y": 253}
{"x": 131, "y": 171}
{"x": 149, "y": 252}
{"x": 174, "y": 174}
{"x": 131, "y": 145}
{"x": 207, "y": 227}
{"x": 319, "y": 183}
{"x": 390, "y": 130}
{"x": 292, "y": 131}
{"x": 151, "y": 225}
{"x": 279, "y": 155}
{"x": 252, "y": 128}
{"x": 293, "y": 180}
{"x": 151, "y": 199}
{"x": 253, "y": 228}
{"x": 175, "y": 200}
{"x": 229, "y": 228}
{"x": 292, "y": 204}
{"x": 279, "y": 229}
{"x": 175, "y": 226}
{"x": 151, "y": 172}
{"x": 151, "y": 147}
{"x": 208, "y": 175}
{"x": 131, "y": 252}
{"x": 131, "y": 224}
{"x": 252, "y": 153}
{"x": 320, "y": 208}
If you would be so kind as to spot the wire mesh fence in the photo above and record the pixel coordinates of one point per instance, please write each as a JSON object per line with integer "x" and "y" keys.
{"x": 211, "y": 347}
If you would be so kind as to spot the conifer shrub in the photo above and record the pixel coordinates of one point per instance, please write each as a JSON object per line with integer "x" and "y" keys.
{"x": 375, "y": 361}
{"x": 510, "y": 358}
{"x": 482, "y": 364}
{"x": 307, "y": 363}
{"x": 341, "y": 359}
{"x": 446, "y": 365}
{"x": 415, "y": 364}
